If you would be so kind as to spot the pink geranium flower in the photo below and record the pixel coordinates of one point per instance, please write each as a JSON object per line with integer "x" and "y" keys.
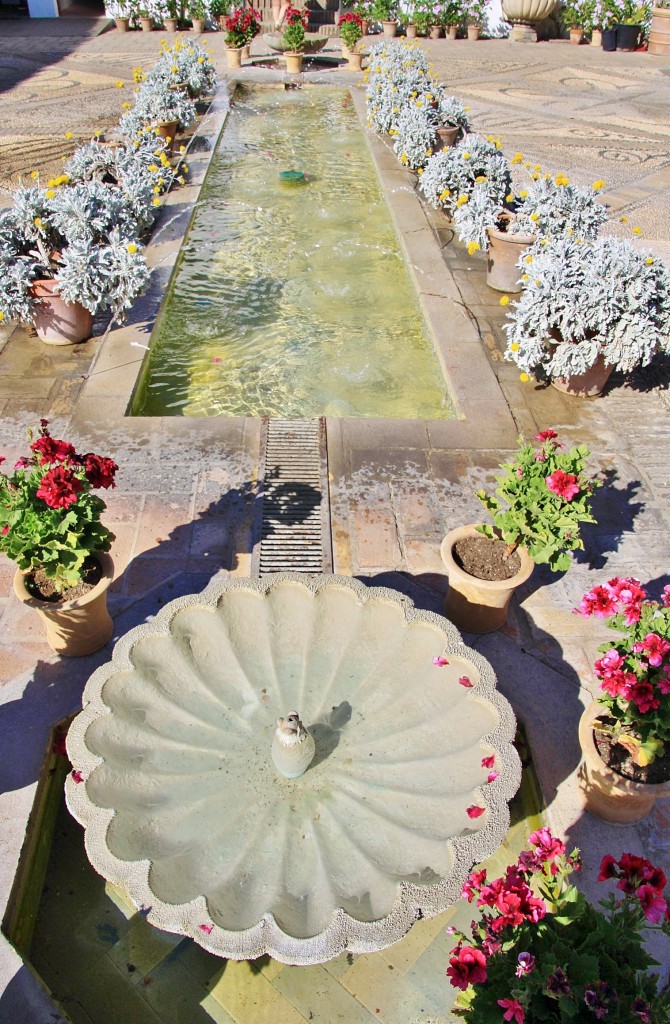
{"x": 565, "y": 485}
{"x": 513, "y": 1010}
{"x": 466, "y": 967}
{"x": 655, "y": 648}
{"x": 546, "y": 435}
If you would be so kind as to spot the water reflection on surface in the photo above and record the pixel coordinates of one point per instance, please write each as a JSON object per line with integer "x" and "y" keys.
{"x": 293, "y": 299}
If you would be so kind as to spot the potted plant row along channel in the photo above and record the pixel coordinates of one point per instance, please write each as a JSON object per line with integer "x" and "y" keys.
{"x": 542, "y": 498}
{"x": 624, "y": 734}
{"x": 50, "y": 526}
{"x": 540, "y": 952}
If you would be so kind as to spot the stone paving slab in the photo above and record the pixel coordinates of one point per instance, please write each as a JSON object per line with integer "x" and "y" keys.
{"x": 184, "y": 507}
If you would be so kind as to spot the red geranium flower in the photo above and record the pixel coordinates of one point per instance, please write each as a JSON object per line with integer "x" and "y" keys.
{"x": 546, "y": 435}
{"x": 565, "y": 485}
{"x": 59, "y": 487}
{"x": 50, "y": 449}
{"x": 99, "y": 470}
{"x": 467, "y": 967}
{"x": 513, "y": 1010}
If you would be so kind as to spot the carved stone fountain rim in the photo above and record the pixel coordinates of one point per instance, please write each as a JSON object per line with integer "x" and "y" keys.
{"x": 266, "y": 937}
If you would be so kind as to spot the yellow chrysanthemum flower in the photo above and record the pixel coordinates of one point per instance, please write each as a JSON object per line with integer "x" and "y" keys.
{"x": 157, "y": 190}
{"x": 524, "y": 277}
{"x": 50, "y": 193}
{"x": 153, "y": 168}
{"x": 510, "y": 198}
{"x": 523, "y": 194}
{"x": 126, "y": 106}
{"x": 462, "y": 200}
{"x": 515, "y": 346}
{"x": 2, "y": 316}
{"x": 637, "y": 231}
{"x": 528, "y": 259}
{"x": 517, "y": 158}
{"x": 119, "y": 85}
{"x": 182, "y": 149}
{"x": 597, "y": 185}
{"x": 504, "y": 301}
{"x": 445, "y": 195}
{"x": 534, "y": 216}
{"x": 156, "y": 201}
{"x": 37, "y": 221}
{"x": 403, "y": 158}
{"x": 527, "y": 165}
{"x": 482, "y": 177}
{"x": 131, "y": 247}
{"x": 524, "y": 377}
{"x": 537, "y": 167}
{"x": 466, "y": 155}
{"x": 624, "y": 220}
{"x": 473, "y": 247}
{"x": 68, "y": 135}
{"x": 34, "y": 175}
{"x": 649, "y": 261}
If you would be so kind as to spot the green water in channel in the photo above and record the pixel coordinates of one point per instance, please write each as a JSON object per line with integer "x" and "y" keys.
{"x": 292, "y": 300}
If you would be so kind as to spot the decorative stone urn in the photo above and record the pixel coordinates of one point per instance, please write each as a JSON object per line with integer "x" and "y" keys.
{"x": 258, "y": 830}
{"x": 524, "y": 15}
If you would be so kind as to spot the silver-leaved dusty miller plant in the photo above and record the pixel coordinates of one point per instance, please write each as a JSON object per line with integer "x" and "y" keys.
{"x": 187, "y": 64}
{"x": 450, "y": 176}
{"x": 395, "y": 72}
{"x": 414, "y": 130}
{"x": 156, "y": 103}
{"x": 586, "y": 299}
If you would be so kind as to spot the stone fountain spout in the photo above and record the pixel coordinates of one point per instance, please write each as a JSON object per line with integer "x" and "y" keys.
{"x": 292, "y": 746}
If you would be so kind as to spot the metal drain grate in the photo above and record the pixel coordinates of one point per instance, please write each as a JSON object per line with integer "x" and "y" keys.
{"x": 293, "y": 530}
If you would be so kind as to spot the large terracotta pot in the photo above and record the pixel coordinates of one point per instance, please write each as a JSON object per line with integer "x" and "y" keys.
{"x": 293, "y": 62}
{"x": 76, "y": 627}
{"x": 607, "y": 794}
{"x": 355, "y": 60}
{"x": 478, "y": 606}
{"x": 659, "y": 33}
{"x": 58, "y": 322}
{"x": 389, "y": 28}
{"x": 233, "y": 56}
{"x": 502, "y": 273}
{"x": 168, "y": 131}
{"x": 445, "y": 138}
{"x": 585, "y": 385}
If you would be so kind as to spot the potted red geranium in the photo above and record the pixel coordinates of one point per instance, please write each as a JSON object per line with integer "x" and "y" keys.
{"x": 625, "y": 733}
{"x": 541, "y": 952}
{"x": 50, "y": 526}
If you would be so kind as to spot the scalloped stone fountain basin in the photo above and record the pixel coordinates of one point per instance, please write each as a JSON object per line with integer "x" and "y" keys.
{"x": 175, "y": 785}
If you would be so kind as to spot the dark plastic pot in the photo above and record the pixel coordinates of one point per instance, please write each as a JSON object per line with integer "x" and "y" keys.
{"x": 609, "y": 39}
{"x": 627, "y": 37}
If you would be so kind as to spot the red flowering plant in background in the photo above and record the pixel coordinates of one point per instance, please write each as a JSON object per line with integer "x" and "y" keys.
{"x": 49, "y": 519}
{"x": 542, "y": 498}
{"x": 540, "y": 952}
{"x": 350, "y": 27}
{"x": 241, "y": 27}
{"x": 295, "y": 25}
{"x": 634, "y": 672}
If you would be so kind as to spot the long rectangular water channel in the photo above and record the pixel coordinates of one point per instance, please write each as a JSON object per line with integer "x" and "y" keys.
{"x": 292, "y": 299}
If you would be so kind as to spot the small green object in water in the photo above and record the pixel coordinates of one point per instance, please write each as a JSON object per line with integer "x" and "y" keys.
{"x": 292, "y": 177}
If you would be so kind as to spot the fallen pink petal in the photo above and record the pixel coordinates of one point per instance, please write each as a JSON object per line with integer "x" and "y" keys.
{"x": 440, "y": 661}
{"x": 207, "y": 928}
{"x": 488, "y": 762}
{"x": 77, "y": 776}
{"x": 492, "y": 776}
{"x": 465, "y": 681}
{"x": 474, "y": 811}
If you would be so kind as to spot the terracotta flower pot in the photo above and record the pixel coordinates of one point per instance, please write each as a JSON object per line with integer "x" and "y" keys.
{"x": 80, "y": 626}
{"x": 146, "y": 24}
{"x": 122, "y": 24}
{"x": 473, "y": 32}
{"x": 451, "y": 31}
{"x": 198, "y": 25}
{"x": 445, "y": 138}
{"x": 435, "y": 31}
{"x": 355, "y": 60}
{"x": 411, "y": 31}
{"x": 58, "y": 322}
{"x": 585, "y": 385}
{"x": 389, "y": 28}
{"x": 596, "y": 37}
{"x": 659, "y": 33}
{"x": 170, "y": 24}
{"x": 293, "y": 62}
{"x": 365, "y": 25}
{"x": 168, "y": 131}
{"x": 478, "y": 606}
{"x": 607, "y": 794}
{"x": 502, "y": 274}
{"x": 233, "y": 56}
{"x": 576, "y": 36}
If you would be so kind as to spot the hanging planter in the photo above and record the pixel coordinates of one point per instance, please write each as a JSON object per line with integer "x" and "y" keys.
{"x": 58, "y": 322}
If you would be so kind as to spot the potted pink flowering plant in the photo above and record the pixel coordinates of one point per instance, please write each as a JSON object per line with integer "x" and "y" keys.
{"x": 542, "y": 953}
{"x": 625, "y": 732}
{"x": 542, "y": 498}
{"x": 50, "y": 526}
